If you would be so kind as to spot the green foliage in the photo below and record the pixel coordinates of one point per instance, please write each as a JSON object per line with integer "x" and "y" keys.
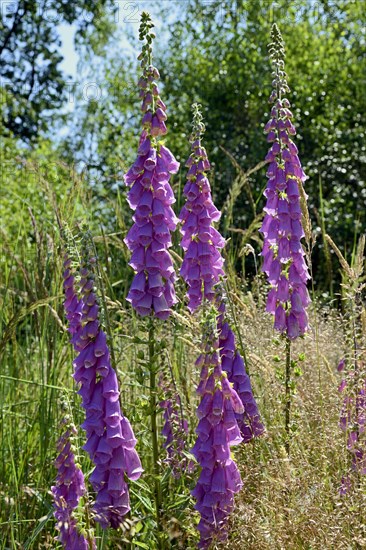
{"x": 103, "y": 130}
{"x": 29, "y": 70}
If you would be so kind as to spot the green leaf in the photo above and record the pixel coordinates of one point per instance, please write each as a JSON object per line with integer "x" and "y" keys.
{"x": 140, "y": 544}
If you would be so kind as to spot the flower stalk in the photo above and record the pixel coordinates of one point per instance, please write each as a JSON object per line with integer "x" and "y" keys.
{"x": 282, "y": 228}
{"x": 151, "y": 196}
{"x": 68, "y": 491}
{"x": 154, "y": 427}
{"x": 203, "y": 270}
{"x": 110, "y": 438}
{"x": 175, "y": 429}
{"x": 217, "y": 432}
{"x": 288, "y": 395}
{"x": 227, "y": 412}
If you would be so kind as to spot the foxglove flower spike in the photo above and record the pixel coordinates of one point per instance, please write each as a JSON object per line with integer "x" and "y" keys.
{"x": 284, "y": 262}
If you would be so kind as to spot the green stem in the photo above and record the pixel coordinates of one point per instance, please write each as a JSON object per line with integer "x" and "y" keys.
{"x": 317, "y": 339}
{"x": 356, "y": 377}
{"x": 288, "y": 396}
{"x": 154, "y": 431}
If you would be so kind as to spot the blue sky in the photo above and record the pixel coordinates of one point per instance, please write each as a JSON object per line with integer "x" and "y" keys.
{"x": 128, "y": 20}
{"x": 127, "y": 17}
{"x": 69, "y": 64}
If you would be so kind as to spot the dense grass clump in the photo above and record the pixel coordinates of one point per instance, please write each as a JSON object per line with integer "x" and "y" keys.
{"x": 284, "y": 503}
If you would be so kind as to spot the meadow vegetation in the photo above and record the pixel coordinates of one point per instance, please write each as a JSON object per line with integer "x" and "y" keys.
{"x": 289, "y": 501}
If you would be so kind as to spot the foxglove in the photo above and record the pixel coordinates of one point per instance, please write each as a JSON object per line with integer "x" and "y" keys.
{"x": 202, "y": 269}
{"x": 67, "y": 492}
{"x": 110, "y": 439}
{"x": 175, "y": 430}
{"x": 353, "y": 422}
{"x": 282, "y": 228}
{"x": 249, "y": 421}
{"x": 203, "y": 264}
{"x": 217, "y": 432}
{"x": 151, "y": 197}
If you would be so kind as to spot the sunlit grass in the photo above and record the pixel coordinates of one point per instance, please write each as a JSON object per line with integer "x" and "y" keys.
{"x": 289, "y": 504}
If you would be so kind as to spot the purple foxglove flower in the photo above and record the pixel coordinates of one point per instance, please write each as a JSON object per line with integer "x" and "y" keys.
{"x": 341, "y": 365}
{"x": 353, "y": 419}
{"x": 217, "y": 432}
{"x": 72, "y": 304}
{"x": 200, "y": 240}
{"x": 249, "y": 420}
{"x": 281, "y": 228}
{"x": 69, "y": 488}
{"x": 109, "y": 434}
{"x": 151, "y": 197}
{"x": 202, "y": 269}
{"x": 346, "y": 485}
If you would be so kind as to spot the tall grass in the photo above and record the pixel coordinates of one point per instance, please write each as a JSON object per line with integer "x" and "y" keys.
{"x": 285, "y": 503}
